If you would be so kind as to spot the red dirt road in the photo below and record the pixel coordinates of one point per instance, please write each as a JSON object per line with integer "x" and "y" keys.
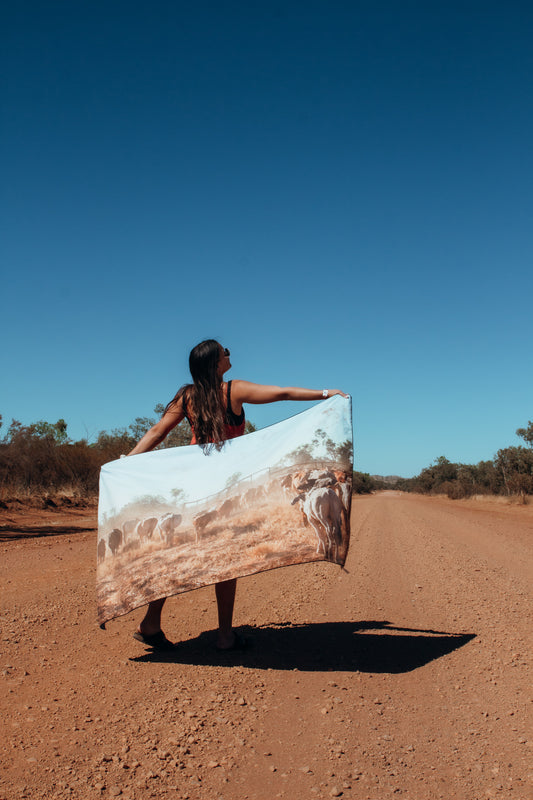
{"x": 405, "y": 675}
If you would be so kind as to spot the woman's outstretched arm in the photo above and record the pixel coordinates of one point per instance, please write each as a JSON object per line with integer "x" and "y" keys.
{"x": 160, "y": 430}
{"x": 245, "y": 392}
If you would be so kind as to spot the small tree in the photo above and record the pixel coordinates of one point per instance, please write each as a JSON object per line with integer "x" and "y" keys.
{"x": 525, "y": 433}
{"x": 53, "y": 432}
{"x": 516, "y": 467}
{"x": 178, "y": 436}
{"x": 140, "y": 426}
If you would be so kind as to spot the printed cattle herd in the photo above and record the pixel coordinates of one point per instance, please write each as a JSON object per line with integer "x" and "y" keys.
{"x": 322, "y": 495}
{"x": 134, "y": 532}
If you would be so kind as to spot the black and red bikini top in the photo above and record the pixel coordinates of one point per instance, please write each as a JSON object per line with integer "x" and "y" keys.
{"x": 234, "y": 423}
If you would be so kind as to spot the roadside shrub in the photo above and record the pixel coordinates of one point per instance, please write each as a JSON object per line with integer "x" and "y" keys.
{"x": 456, "y": 490}
{"x": 362, "y": 483}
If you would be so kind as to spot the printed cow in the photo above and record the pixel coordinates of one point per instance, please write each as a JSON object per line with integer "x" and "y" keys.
{"x": 201, "y": 521}
{"x": 145, "y": 528}
{"x": 323, "y": 508}
{"x": 300, "y": 481}
{"x": 101, "y": 550}
{"x": 344, "y": 491}
{"x": 304, "y": 481}
{"x": 167, "y": 525}
{"x": 340, "y": 476}
{"x": 228, "y": 507}
{"x": 254, "y": 496}
{"x": 296, "y": 482}
{"x": 326, "y": 477}
{"x": 286, "y": 485}
{"x": 128, "y": 529}
{"x": 114, "y": 540}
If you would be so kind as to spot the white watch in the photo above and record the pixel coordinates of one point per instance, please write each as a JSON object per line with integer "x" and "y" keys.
{"x": 325, "y": 392}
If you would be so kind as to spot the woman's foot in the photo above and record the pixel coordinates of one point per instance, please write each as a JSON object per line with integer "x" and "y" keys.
{"x": 148, "y": 630}
{"x": 150, "y": 625}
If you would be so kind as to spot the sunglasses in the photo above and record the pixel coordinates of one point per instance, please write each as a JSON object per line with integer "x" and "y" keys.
{"x": 226, "y": 351}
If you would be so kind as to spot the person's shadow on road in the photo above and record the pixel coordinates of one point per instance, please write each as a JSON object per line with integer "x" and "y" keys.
{"x": 364, "y": 646}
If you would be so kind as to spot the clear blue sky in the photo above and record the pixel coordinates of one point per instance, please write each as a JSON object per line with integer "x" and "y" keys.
{"x": 340, "y": 192}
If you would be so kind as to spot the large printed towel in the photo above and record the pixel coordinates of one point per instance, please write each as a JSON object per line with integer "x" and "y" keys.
{"x": 176, "y": 519}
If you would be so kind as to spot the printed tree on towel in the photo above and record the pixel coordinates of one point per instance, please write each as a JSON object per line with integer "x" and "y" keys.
{"x": 232, "y": 480}
{"x": 178, "y": 495}
{"x": 322, "y": 447}
{"x": 151, "y": 501}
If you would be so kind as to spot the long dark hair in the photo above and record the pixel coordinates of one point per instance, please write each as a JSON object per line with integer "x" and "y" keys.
{"x": 203, "y": 400}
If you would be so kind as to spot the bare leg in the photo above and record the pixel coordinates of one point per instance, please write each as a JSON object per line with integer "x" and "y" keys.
{"x": 152, "y": 619}
{"x": 225, "y": 593}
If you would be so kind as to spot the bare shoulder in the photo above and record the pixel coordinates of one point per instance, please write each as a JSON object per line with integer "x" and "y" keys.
{"x": 238, "y": 383}
{"x": 177, "y": 406}
{"x": 238, "y": 387}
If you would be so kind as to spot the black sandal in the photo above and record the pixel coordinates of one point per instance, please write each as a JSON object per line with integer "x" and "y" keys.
{"x": 157, "y": 641}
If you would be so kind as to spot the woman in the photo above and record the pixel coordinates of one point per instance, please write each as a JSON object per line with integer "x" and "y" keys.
{"x": 214, "y": 409}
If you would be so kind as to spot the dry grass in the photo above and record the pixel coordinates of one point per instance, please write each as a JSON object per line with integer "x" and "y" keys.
{"x": 514, "y": 499}
{"x": 66, "y": 495}
{"x": 491, "y": 499}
